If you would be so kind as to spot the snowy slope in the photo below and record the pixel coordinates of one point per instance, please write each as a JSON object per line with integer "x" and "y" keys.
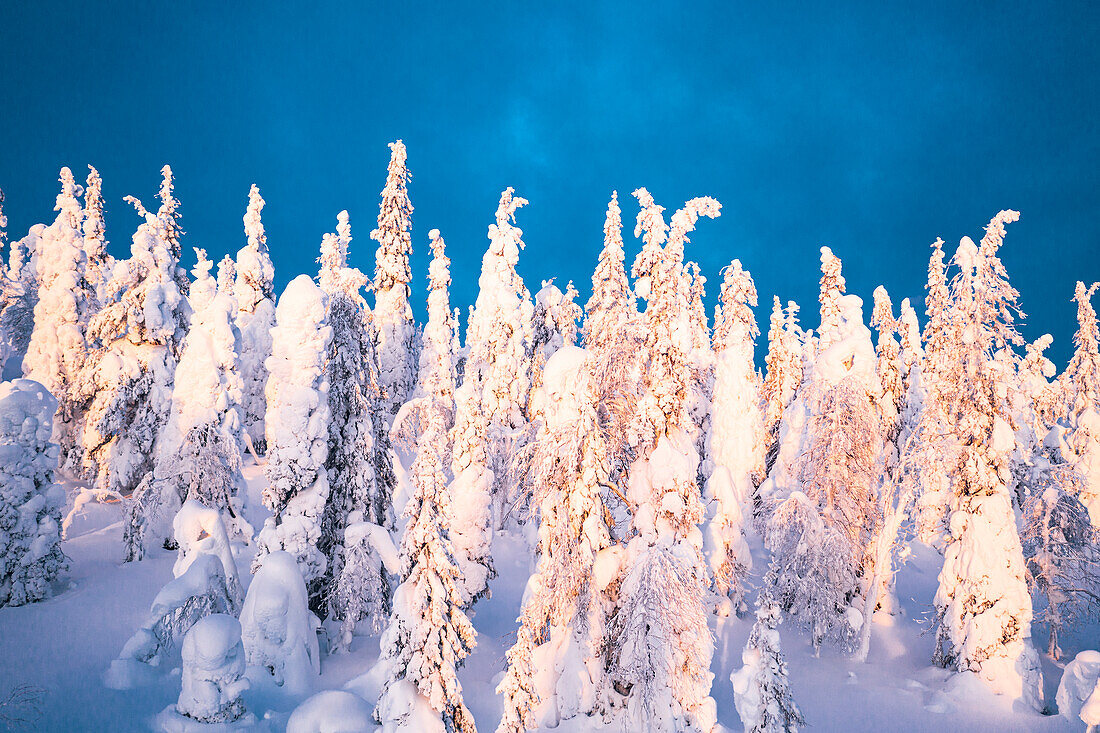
{"x": 64, "y": 645}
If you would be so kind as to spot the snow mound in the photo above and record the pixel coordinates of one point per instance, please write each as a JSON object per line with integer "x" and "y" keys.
{"x": 332, "y": 711}
{"x": 1079, "y": 691}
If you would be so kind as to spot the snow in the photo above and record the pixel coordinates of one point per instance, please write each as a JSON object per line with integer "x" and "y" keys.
{"x": 332, "y": 711}
{"x": 1077, "y": 692}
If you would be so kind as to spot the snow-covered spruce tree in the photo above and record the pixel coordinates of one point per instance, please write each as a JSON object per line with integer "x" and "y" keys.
{"x": 889, "y": 367}
{"x": 817, "y": 561}
{"x": 564, "y": 616}
{"x": 612, "y": 337}
{"x": 393, "y": 316}
{"x": 912, "y": 361}
{"x": 357, "y": 492}
{"x": 784, "y": 373}
{"x": 985, "y": 613}
{"x": 213, "y": 675}
{"x": 761, "y": 691}
{"x": 255, "y": 293}
{"x": 735, "y": 441}
{"x": 141, "y": 329}
{"x": 297, "y": 425}
{"x": 490, "y": 424}
{"x": 928, "y": 467}
{"x": 831, "y": 289}
{"x": 1079, "y": 388}
{"x": 198, "y": 454}
{"x": 30, "y": 501}
{"x": 661, "y": 644}
{"x": 429, "y": 634}
{"x": 20, "y": 293}
{"x": 58, "y": 348}
{"x": 99, "y": 263}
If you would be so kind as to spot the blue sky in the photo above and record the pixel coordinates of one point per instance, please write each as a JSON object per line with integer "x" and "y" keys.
{"x": 870, "y": 128}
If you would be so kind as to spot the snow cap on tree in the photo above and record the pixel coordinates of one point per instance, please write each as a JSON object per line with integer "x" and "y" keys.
{"x": 832, "y": 287}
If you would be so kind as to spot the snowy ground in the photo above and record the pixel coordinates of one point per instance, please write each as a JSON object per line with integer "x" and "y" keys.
{"x": 64, "y": 645}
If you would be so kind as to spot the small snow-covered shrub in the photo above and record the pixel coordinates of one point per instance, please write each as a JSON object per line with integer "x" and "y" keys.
{"x": 761, "y": 692}
{"x": 1079, "y": 691}
{"x": 30, "y": 502}
{"x": 199, "y": 592}
{"x": 213, "y": 669}
{"x": 279, "y": 630}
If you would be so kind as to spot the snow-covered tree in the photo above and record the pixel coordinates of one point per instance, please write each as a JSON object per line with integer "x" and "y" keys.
{"x": 297, "y": 425}
{"x": 255, "y": 292}
{"x": 393, "y": 314}
{"x": 58, "y": 347}
{"x": 662, "y": 646}
{"x": 983, "y": 603}
{"x": 429, "y": 634}
{"x": 735, "y": 441}
{"x": 198, "y": 454}
{"x": 141, "y": 329}
{"x": 490, "y": 423}
{"x": 611, "y": 311}
{"x": 278, "y": 630}
{"x": 566, "y": 609}
{"x": 358, "y": 490}
{"x": 1060, "y": 545}
{"x": 30, "y": 501}
{"x": 659, "y": 628}
{"x": 889, "y": 367}
{"x": 20, "y": 293}
{"x": 213, "y": 673}
{"x": 761, "y": 691}
{"x": 832, "y": 288}
{"x": 99, "y": 263}
{"x": 784, "y": 372}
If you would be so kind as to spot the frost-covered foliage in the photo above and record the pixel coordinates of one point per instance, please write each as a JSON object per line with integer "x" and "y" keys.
{"x": 554, "y": 668}
{"x": 278, "y": 629}
{"x": 58, "y": 349}
{"x": 1078, "y": 695}
{"x": 393, "y": 314}
{"x": 360, "y": 477}
{"x": 761, "y": 691}
{"x": 30, "y": 502}
{"x": 1062, "y": 549}
{"x": 255, "y": 292}
{"x": 198, "y": 454}
{"x": 735, "y": 440}
{"x": 811, "y": 576}
{"x": 200, "y": 591}
{"x": 662, "y": 646}
{"x": 490, "y": 423}
{"x": 1079, "y": 387}
{"x": 429, "y": 634}
{"x": 213, "y": 671}
{"x": 140, "y": 328}
{"x": 984, "y": 608}
{"x": 297, "y": 425}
